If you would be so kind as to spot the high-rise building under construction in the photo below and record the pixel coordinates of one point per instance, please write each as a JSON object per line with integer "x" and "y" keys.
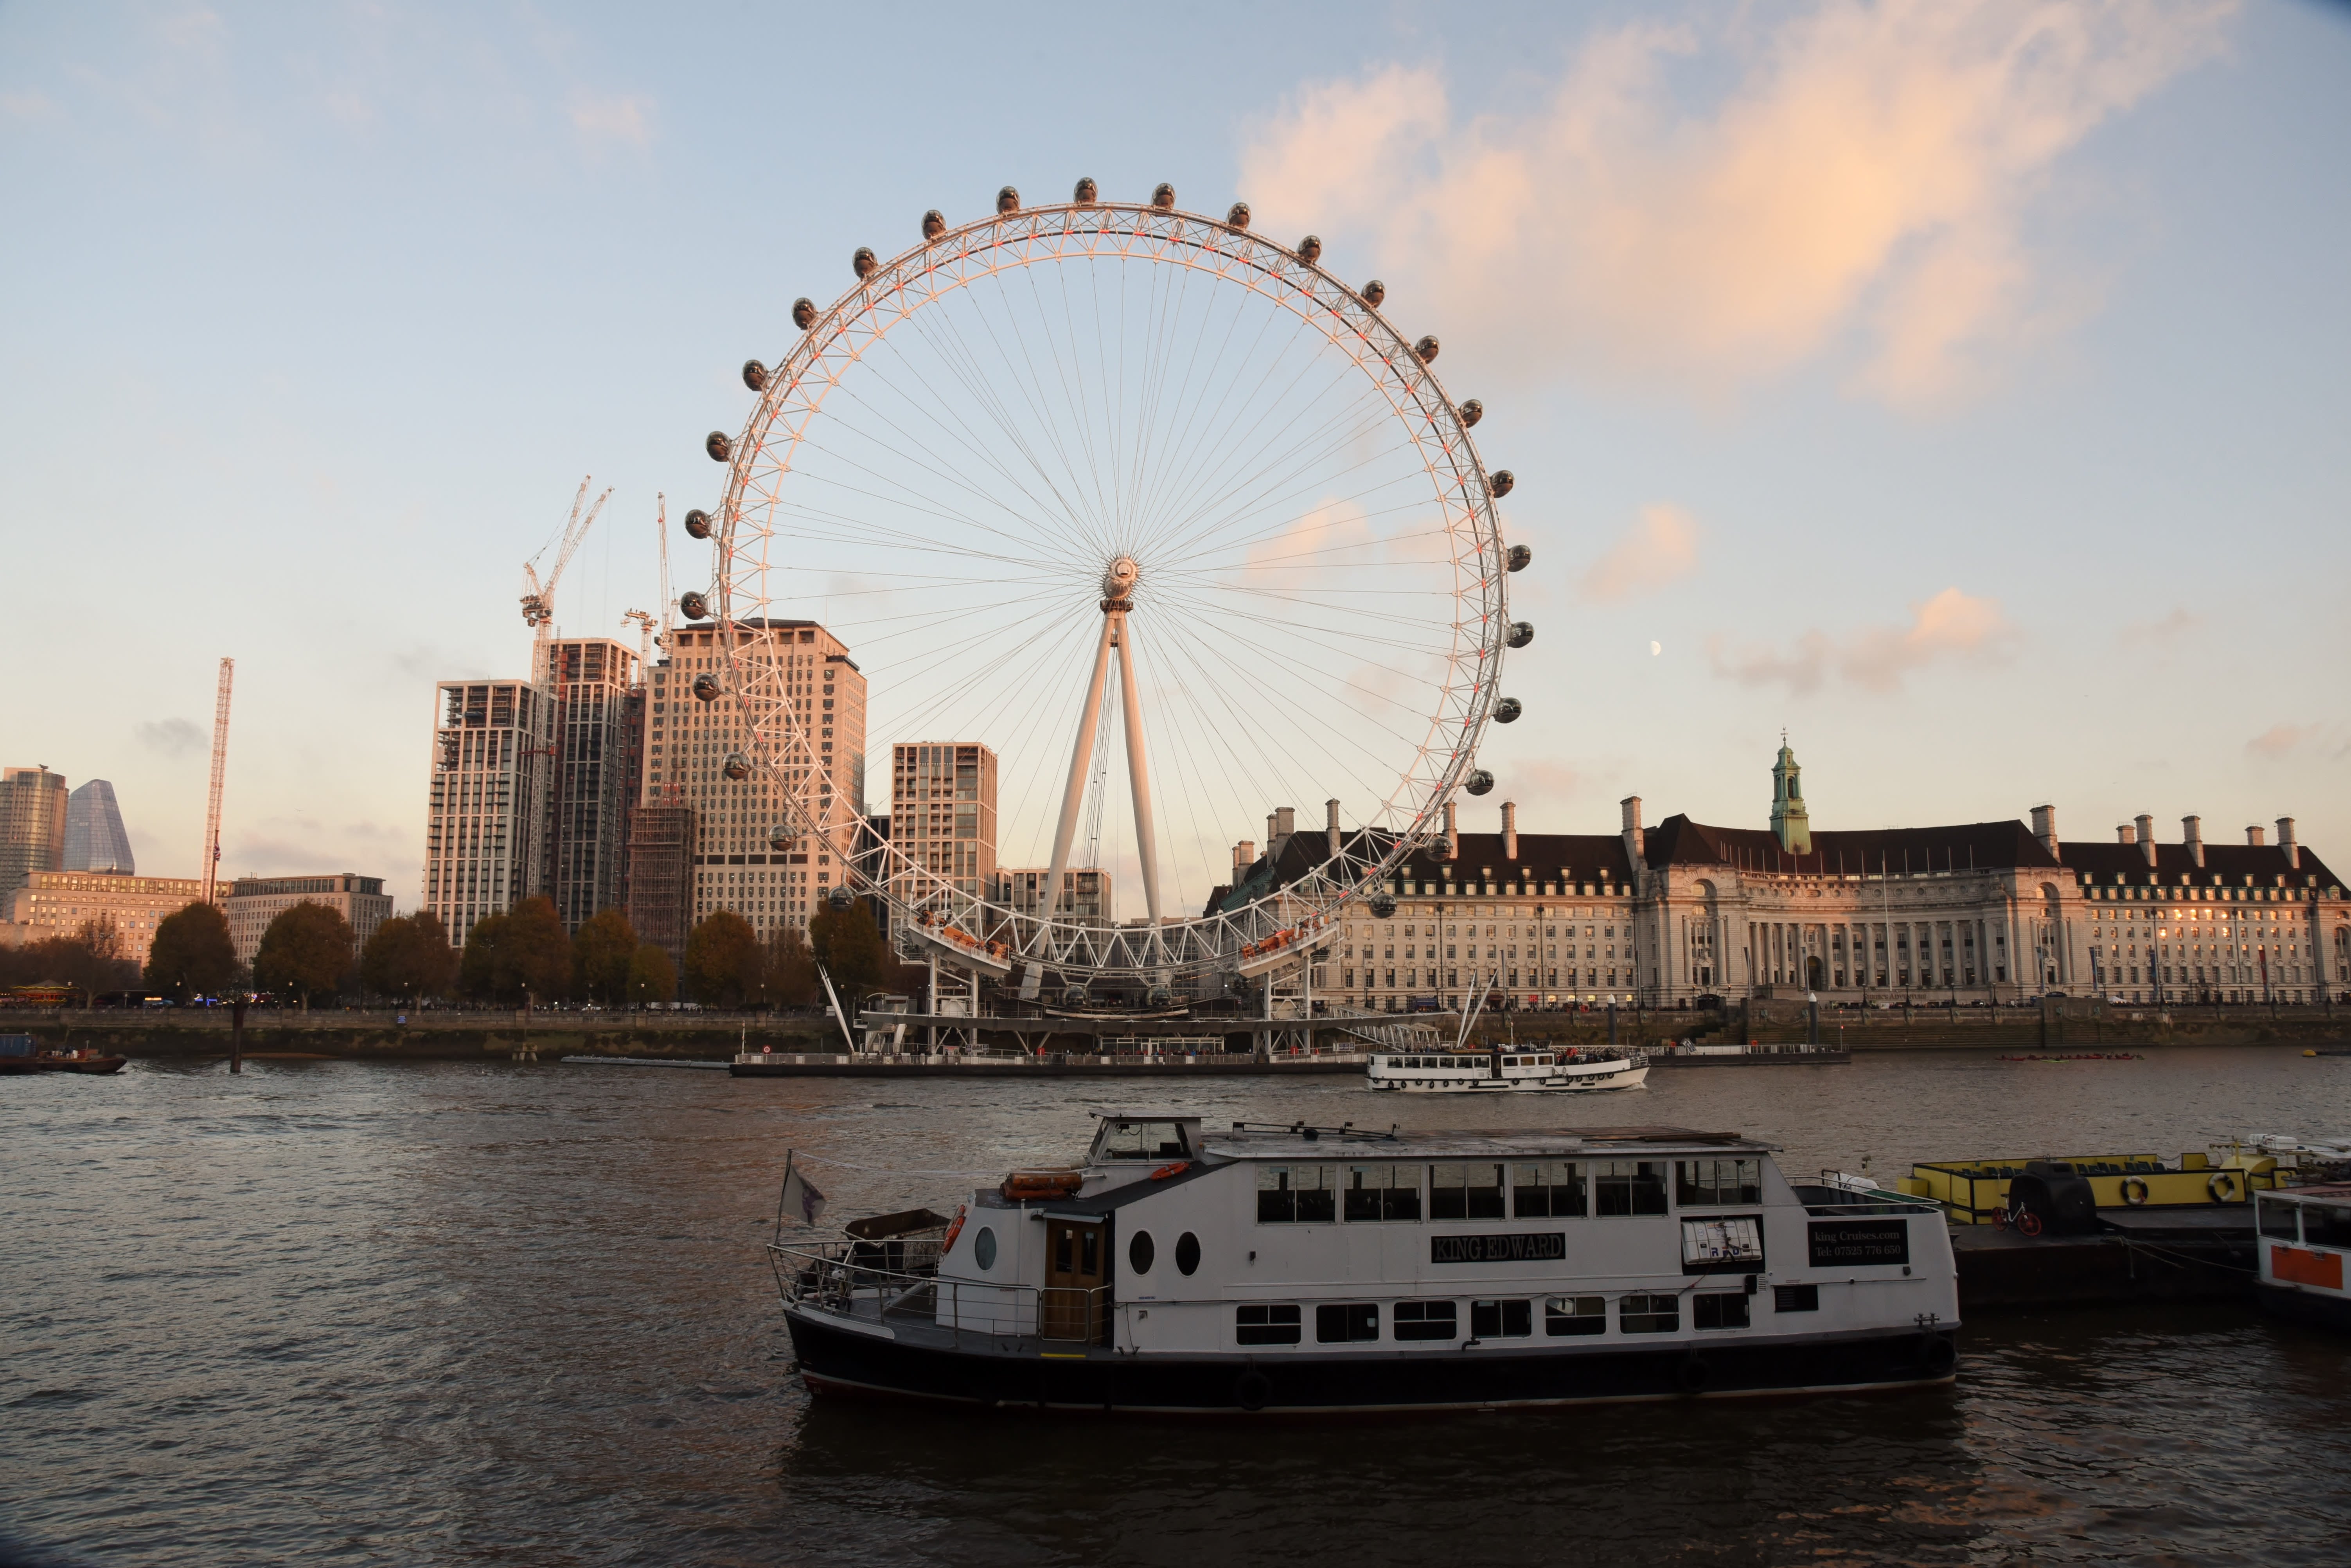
{"x": 486, "y": 815}
{"x": 588, "y": 683}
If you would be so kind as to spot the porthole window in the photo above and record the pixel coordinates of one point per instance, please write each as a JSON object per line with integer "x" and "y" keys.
{"x": 1187, "y": 1253}
{"x": 1139, "y": 1252}
{"x": 983, "y": 1249}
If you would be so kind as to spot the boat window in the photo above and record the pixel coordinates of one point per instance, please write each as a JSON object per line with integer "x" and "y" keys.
{"x": 1718, "y": 1310}
{"x": 1718, "y": 1181}
{"x": 1501, "y": 1320}
{"x": 1795, "y": 1298}
{"x": 2325, "y": 1225}
{"x": 1345, "y": 1323}
{"x": 1575, "y": 1315}
{"x": 1144, "y": 1141}
{"x": 1547, "y": 1190}
{"x": 1466, "y": 1192}
{"x": 1628, "y": 1186}
{"x": 1297, "y": 1195}
{"x": 983, "y": 1249}
{"x": 1425, "y": 1319}
{"x": 1187, "y": 1254}
{"x": 2277, "y": 1219}
{"x": 1266, "y": 1325}
{"x": 1649, "y": 1314}
{"x": 1726, "y": 1244}
{"x": 1140, "y": 1252}
{"x": 1382, "y": 1192}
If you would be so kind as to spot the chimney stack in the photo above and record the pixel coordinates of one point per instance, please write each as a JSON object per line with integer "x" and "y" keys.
{"x": 1244, "y": 853}
{"x": 2121, "y": 833}
{"x": 2044, "y": 828}
{"x": 2257, "y": 837}
{"x": 2147, "y": 837}
{"x": 2192, "y": 833}
{"x": 1634, "y": 851}
{"x": 2286, "y": 841}
{"x": 1330, "y": 825}
{"x": 1509, "y": 829}
{"x": 1452, "y": 834}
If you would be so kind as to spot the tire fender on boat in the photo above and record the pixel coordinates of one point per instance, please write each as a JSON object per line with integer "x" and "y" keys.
{"x": 1936, "y": 1354}
{"x": 1252, "y": 1389}
{"x": 1693, "y": 1375}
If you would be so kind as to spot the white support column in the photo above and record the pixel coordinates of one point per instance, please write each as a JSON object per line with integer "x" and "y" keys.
{"x": 1138, "y": 770}
{"x": 1072, "y": 795}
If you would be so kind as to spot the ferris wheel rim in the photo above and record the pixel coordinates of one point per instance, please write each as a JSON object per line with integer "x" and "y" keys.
{"x": 1030, "y": 236}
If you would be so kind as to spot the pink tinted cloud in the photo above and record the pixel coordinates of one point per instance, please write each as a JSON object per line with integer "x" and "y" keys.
{"x": 1951, "y": 627}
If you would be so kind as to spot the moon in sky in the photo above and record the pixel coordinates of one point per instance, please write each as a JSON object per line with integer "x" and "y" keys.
{"x": 1656, "y": 648}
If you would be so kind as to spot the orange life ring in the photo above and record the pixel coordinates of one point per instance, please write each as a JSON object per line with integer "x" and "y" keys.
{"x": 955, "y": 1228}
{"x": 1177, "y": 1169}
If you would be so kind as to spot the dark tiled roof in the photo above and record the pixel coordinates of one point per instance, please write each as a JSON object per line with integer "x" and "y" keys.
{"x": 2232, "y": 863}
{"x": 1982, "y": 846}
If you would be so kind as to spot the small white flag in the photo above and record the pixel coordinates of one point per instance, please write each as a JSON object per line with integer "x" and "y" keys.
{"x": 800, "y": 1196}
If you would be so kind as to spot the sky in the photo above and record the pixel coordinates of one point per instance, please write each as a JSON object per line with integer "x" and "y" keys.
{"x": 1960, "y": 388}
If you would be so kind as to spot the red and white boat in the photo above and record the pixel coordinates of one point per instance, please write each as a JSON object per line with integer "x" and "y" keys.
{"x": 2305, "y": 1236}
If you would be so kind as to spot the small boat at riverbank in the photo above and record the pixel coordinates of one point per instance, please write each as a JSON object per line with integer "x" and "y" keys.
{"x": 18, "y": 1054}
{"x": 1502, "y": 1070}
{"x": 1288, "y": 1270}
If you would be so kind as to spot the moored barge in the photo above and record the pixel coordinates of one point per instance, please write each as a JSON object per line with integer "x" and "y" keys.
{"x": 1271, "y": 1270}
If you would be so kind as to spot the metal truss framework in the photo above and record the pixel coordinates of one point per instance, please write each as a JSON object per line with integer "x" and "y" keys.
{"x": 748, "y": 543}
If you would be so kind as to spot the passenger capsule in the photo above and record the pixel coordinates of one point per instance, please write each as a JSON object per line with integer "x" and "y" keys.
{"x": 779, "y": 836}
{"x": 1427, "y": 347}
{"x": 697, "y": 524}
{"x": 1507, "y": 711}
{"x": 935, "y": 224}
{"x": 718, "y": 445}
{"x": 1162, "y": 196}
{"x": 1158, "y": 996}
{"x": 804, "y": 313}
{"x": 693, "y": 606}
{"x": 1074, "y": 996}
{"x": 1237, "y": 215}
{"x": 840, "y": 898}
{"x": 1087, "y": 194}
{"x": 1500, "y": 483}
{"x": 862, "y": 264}
{"x": 1383, "y": 906}
{"x": 1472, "y": 411}
{"x": 1008, "y": 200}
{"x": 705, "y": 688}
{"x": 1310, "y": 249}
{"x": 754, "y": 375}
{"x": 1479, "y": 782}
{"x": 1521, "y": 633}
{"x": 736, "y": 767}
{"x": 1375, "y": 292}
{"x": 1518, "y": 558}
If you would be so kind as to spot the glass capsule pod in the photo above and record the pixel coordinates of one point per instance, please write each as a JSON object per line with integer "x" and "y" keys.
{"x": 1479, "y": 782}
{"x": 1521, "y": 633}
{"x": 754, "y": 375}
{"x": 697, "y": 524}
{"x": 1507, "y": 711}
{"x": 720, "y": 446}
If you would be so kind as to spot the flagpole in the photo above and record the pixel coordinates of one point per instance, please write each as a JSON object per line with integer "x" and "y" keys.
{"x": 780, "y": 1196}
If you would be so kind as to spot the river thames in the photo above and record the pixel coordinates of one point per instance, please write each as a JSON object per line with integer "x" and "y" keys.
{"x": 330, "y": 1313}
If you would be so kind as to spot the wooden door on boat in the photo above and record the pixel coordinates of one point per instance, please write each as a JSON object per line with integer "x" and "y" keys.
{"x": 1077, "y": 1267}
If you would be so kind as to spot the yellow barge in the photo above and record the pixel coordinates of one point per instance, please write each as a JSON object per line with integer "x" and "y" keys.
{"x": 1976, "y": 1192}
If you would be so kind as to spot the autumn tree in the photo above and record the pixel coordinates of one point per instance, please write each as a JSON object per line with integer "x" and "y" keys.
{"x": 520, "y": 953}
{"x": 193, "y": 953}
{"x": 721, "y": 959}
{"x": 602, "y": 951}
{"x": 88, "y": 961}
{"x": 850, "y": 946}
{"x": 307, "y": 951}
{"x": 791, "y": 969}
{"x": 410, "y": 958}
{"x": 651, "y": 976}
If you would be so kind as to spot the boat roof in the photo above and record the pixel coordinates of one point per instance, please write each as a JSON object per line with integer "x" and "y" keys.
{"x": 2336, "y": 1192}
{"x": 1358, "y": 1143}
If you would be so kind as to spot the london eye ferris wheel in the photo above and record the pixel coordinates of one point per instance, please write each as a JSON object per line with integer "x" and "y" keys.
{"x": 1165, "y": 514}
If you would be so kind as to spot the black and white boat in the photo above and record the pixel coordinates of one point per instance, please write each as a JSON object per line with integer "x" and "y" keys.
{"x": 1298, "y": 1269}
{"x": 1503, "y": 1069}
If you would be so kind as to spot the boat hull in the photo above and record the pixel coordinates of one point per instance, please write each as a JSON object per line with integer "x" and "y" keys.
{"x": 62, "y": 1064}
{"x": 835, "y": 1360}
{"x": 2313, "y": 1308}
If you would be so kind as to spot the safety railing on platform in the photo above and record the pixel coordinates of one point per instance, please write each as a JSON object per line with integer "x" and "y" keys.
{"x": 852, "y": 1280}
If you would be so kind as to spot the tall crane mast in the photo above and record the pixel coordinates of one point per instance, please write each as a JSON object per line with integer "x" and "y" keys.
{"x": 537, "y": 597}
{"x": 220, "y": 773}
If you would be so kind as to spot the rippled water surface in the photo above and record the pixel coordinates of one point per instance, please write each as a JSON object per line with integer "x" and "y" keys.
{"x": 333, "y": 1312}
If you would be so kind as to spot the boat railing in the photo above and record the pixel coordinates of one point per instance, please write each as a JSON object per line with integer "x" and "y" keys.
{"x": 1836, "y": 1197}
{"x": 849, "y": 1279}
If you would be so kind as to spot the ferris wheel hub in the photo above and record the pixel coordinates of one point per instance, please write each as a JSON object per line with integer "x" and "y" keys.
{"x": 1120, "y": 577}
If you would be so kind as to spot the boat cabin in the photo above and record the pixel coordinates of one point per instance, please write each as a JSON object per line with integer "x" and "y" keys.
{"x": 2304, "y": 1239}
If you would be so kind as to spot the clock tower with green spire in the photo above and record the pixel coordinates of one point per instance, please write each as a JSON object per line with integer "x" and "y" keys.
{"x": 1790, "y": 825}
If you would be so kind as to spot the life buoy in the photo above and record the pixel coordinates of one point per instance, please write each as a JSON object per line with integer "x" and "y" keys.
{"x": 1251, "y": 1390}
{"x": 1693, "y": 1375}
{"x": 2222, "y": 1186}
{"x": 1176, "y": 1169}
{"x": 2134, "y": 1191}
{"x": 955, "y": 1228}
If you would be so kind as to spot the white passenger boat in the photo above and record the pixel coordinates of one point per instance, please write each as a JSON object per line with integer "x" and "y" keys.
{"x": 1502, "y": 1070}
{"x": 2305, "y": 1249}
{"x": 1301, "y": 1269}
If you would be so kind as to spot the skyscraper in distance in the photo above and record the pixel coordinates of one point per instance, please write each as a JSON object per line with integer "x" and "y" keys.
{"x": 32, "y": 824}
{"x": 95, "y": 839}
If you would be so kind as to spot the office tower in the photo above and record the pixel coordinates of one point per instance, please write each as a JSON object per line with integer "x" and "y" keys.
{"x": 32, "y": 824}
{"x": 60, "y": 902}
{"x": 485, "y": 848}
{"x": 943, "y": 814}
{"x": 253, "y": 902}
{"x": 587, "y": 684}
{"x": 95, "y": 839}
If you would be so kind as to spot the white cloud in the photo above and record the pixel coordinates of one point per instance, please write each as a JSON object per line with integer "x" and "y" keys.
{"x": 2281, "y": 741}
{"x": 1868, "y": 174}
{"x": 172, "y": 736}
{"x": 601, "y": 119}
{"x": 1951, "y": 626}
{"x": 1659, "y": 548}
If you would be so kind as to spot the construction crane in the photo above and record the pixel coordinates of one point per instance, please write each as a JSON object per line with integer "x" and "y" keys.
{"x": 220, "y": 772}
{"x": 646, "y": 627}
{"x": 644, "y": 618}
{"x": 537, "y": 597}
